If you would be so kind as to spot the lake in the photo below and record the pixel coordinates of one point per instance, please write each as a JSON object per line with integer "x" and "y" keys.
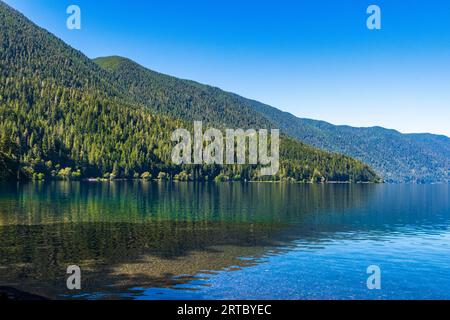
{"x": 150, "y": 240}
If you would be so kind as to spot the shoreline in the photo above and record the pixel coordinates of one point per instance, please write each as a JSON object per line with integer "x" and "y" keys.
{"x": 203, "y": 181}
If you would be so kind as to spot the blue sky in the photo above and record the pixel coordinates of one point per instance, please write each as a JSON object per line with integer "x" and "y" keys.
{"x": 315, "y": 58}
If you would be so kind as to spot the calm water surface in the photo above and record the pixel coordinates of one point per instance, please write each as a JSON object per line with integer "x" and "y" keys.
{"x": 145, "y": 240}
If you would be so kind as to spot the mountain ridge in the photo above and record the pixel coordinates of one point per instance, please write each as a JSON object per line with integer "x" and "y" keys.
{"x": 118, "y": 58}
{"x": 398, "y": 157}
{"x": 64, "y": 117}
{"x": 188, "y": 99}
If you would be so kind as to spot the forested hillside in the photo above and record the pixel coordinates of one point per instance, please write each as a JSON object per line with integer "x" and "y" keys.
{"x": 183, "y": 99}
{"x": 397, "y": 157}
{"x": 62, "y": 116}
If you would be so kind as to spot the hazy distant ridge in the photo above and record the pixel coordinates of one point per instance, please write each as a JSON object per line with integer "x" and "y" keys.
{"x": 395, "y": 156}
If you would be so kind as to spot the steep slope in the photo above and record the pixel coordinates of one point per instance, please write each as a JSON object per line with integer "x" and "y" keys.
{"x": 69, "y": 118}
{"x": 29, "y": 51}
{"x": 179, "y": 98}
{"x": 395, "y": 156}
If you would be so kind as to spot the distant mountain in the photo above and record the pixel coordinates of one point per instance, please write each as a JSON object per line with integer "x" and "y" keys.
{"x": 64, "y": 116}
{"x": 397, "y": 157}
